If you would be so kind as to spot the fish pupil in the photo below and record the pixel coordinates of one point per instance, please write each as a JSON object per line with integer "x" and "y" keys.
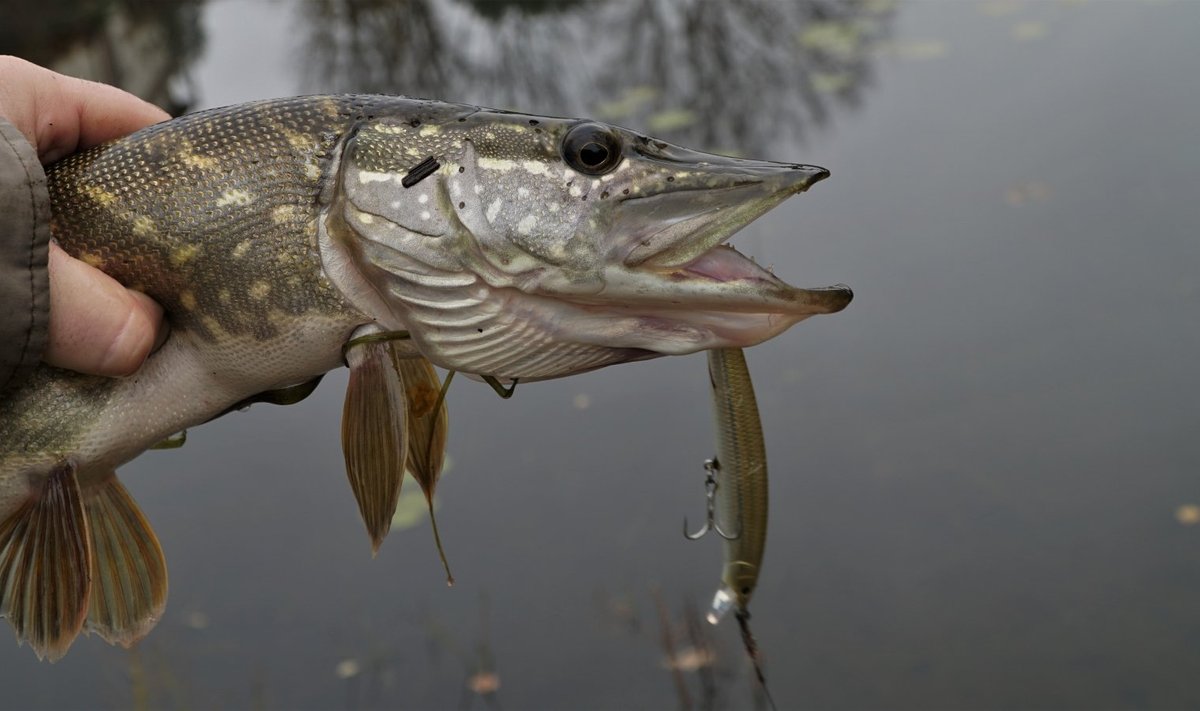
{"x": 593, "y": 155}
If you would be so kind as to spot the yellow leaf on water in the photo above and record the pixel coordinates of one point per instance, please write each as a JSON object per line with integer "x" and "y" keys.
{"x": 197, "y": 620}
{"x": 838, "y": 38}
{"x": 670, "y": 120}
{"x": 1188, "y": 514}
{"x": 999, "y": 8}
{"x": 1029, "y": 31}
{"x": 831, "y": 82}
{"x": 627, "y": 104}
{"x": 484, "y": 683}
{"x": 347, "y": 668}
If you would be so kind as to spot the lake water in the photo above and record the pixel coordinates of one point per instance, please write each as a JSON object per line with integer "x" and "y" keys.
{"x": 985, "y": 472}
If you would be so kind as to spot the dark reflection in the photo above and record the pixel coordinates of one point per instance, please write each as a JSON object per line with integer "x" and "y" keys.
{"x": 142, "y": 46}
{"x": 711, "y": 73}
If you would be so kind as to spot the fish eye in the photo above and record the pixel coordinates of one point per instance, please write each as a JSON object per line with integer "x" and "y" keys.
{"x": 591, "y": 149}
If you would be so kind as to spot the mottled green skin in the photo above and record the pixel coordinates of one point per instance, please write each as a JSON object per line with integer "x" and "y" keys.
{"x": 270, "y": 231}
{"x": 215, "y": 216}
{"x": 206, "y": 212}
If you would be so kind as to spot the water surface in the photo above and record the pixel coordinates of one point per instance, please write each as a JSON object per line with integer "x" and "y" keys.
{"x": 980, "y": 470}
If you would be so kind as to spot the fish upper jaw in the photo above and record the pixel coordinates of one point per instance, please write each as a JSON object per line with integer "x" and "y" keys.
{"x": 703, "y": 200}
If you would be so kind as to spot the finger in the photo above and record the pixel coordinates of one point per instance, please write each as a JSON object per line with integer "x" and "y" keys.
{"x": 97, "y": 326}
{"x": 61, "y": 114}
{"x": 105, "y": 112}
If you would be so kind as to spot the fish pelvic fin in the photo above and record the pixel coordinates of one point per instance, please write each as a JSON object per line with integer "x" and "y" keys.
{"x": 129, "y": 572}
{"x": 44, "y": 565}
{"x": 374, "y": 435}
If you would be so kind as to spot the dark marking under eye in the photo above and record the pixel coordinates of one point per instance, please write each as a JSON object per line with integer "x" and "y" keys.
{"x": 420, "y": 171}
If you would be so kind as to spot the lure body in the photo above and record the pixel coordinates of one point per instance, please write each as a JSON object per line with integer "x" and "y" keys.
{"x": 741, "y": 472}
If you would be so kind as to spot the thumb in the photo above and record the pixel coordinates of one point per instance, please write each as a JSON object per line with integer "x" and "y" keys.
{"x": 97, "y": 326}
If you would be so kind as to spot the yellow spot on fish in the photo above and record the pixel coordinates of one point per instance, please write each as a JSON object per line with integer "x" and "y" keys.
{"x": 429, "y": 129}
{"x": 259, "y": 290}
{"x": 242, "y": 247}
{"x": 494, "y": 209}
{"x": 187, "y": 300}
{"x": 284, "y": 214}
{"x": 211, "y": 324}
{"x": 575, "y": 191}
{"x": 184, "y": 254}
{"x": 536, "y": 167}
{"x": 91, "y": 259}
{"x": 143, "y": 226}
{"x": 237, "y": 197}
{"x": 312, "y": 171}
{"x": 526, "y": 225}
{"x": 298, "y": 140}
{"x": 370, "y": 176}
{"x": 224, "y": 296}
{"x": 99, "y": 195}
{"x": 365, "y": 218}
{"x": 501, "y": 164}
{"x": 195, "y": 160}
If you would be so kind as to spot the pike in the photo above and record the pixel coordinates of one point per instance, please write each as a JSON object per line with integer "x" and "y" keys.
{"x": 507, "y": 246}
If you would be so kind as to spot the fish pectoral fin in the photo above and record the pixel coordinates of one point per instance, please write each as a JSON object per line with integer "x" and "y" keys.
{"x": 44, "y": 559}
{"x": 374, "y": 435}
{"x": 129, "y": 573}
{"x": 427, "y": 425}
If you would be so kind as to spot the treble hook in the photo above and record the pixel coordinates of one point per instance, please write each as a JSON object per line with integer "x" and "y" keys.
{"x": 711, "y": 467}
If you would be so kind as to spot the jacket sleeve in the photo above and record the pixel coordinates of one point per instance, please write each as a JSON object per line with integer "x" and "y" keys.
{"x": 24, "y": 251}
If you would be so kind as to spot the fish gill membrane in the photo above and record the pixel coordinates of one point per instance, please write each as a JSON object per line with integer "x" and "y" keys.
{"x": 508, "y": 246}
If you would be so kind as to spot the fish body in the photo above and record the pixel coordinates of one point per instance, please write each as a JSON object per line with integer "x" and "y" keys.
{"x": 507, "y": 245}
{"x": 741, "y": 473}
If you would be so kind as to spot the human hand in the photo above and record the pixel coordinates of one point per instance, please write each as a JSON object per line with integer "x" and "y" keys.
{"x": 96, "y": 325}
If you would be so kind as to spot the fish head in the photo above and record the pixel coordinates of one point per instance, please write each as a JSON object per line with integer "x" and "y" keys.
{"x": 533, "y": 247}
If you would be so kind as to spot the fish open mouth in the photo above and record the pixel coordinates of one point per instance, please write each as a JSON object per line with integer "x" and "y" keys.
{"x": 674, "y": 254}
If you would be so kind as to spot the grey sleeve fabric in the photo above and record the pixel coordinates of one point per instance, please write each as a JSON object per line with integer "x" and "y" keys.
{"x": 24, "y": 251}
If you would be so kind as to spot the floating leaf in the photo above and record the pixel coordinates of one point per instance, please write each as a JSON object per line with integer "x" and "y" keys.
{"x": 671, "y": 120}
{"x": 1188, "y": 514}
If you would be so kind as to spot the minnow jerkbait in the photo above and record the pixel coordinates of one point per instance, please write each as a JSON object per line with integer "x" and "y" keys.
{"x": 507, "y": 246}
{"x": 740, "y": 470}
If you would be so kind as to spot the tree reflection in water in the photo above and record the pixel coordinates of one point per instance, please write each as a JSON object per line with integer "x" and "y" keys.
{"x": 711, "y": 73}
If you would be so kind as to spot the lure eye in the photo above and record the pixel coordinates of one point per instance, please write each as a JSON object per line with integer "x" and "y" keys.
{"x": 591, "y": 149}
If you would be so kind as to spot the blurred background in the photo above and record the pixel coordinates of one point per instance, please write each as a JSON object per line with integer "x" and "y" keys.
{"x": 985, "y": 473}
